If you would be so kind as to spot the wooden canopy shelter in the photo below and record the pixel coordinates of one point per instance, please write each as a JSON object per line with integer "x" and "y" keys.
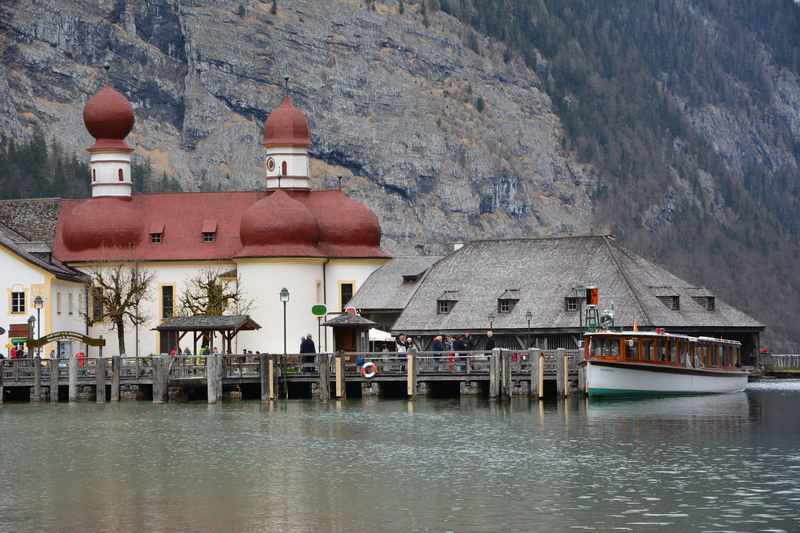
{"x": 350, "y": 332}
{"x": 205, "y": 325}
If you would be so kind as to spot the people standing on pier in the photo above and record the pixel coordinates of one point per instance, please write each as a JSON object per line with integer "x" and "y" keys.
{"x": 489, "y": 341}
{"x": 307, "y": 349}
{"x": 437, "y": 345}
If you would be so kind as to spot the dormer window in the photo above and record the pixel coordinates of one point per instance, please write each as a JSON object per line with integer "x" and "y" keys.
{"x": 572, "y": 304}
{"x": 707, "y": 302}
{"x": 446, "y": 302}
{"x": 209, "y": 230}
{"x": 507, "y": 300}
{"x": 156, "y": 233}
{"x": 672, "y": 302}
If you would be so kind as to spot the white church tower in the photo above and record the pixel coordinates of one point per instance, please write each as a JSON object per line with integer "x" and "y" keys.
{"x": 287, "y": 139}
{"x": 109, "y": 118}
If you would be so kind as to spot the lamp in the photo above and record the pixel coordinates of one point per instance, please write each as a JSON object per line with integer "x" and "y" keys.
{"x": 491, "y": 320}
{"x": 529, "y": 317}
{"x": 38, "y": 303}
{"x": 284, "y": 296}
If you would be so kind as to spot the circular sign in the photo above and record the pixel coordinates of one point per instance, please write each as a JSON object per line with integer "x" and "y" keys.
{"x": 319, "y": 310}
{"x": 270, "y": 164}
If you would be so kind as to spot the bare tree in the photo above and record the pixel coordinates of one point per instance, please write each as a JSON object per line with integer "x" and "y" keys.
{"x": 121, "y": 287}
{"x": 213, "y": 292}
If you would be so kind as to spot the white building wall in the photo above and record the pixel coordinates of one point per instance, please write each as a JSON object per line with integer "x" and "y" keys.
{"x": 174, "y": 273}
{"x": 261, "y": 282}
{"x": 66, "y": 317}
{"x": 20, "y": 275}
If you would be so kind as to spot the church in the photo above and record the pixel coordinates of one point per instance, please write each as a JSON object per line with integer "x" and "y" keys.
{"x": 319, "y": 245}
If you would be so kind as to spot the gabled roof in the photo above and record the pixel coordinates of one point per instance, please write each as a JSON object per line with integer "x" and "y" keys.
{"x": 347, "y": 319}
{"x": 391, "y": 286}
{"x": 8, "y": 239}
{"x": 209, "y": 323}
{"x": 509, "y": 294}
{"x": 546, "y": 271}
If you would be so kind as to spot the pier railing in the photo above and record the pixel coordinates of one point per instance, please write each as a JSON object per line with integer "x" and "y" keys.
{"x": 781, "y": 362}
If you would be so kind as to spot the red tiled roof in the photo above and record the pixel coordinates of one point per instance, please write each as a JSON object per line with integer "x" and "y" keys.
{"x": 346, "y": 228}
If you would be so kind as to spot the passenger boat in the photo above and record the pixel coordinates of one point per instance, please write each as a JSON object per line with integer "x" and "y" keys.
{"x": 633, "y": 363}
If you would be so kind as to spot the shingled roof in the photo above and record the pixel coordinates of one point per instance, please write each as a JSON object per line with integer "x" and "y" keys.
{"x": 545, "y": 271}
{"x": 34, "y": 218}
{"x": 26, "y": 250}
{"x": 392, "y": 285}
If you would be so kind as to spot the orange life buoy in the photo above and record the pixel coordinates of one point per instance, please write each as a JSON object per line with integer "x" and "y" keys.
{"x": 369, "y": 370}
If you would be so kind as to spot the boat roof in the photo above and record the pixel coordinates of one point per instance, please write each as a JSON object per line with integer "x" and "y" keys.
{"x": 668, "y": 335}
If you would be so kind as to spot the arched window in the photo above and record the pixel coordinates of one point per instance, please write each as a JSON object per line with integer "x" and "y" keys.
{"x": 120, "y": 175}
{"x": 94, "y": 174}
{"x": 283, "y": 168}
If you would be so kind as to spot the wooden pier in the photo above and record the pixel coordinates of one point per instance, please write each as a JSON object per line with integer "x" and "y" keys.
{"x": 498, "y": 374}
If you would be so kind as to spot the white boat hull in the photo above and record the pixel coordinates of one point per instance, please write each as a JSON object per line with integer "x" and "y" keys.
{"x": 627, "y": 379}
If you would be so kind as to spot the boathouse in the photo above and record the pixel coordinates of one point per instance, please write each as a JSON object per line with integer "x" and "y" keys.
{"x": 530, "y": 292}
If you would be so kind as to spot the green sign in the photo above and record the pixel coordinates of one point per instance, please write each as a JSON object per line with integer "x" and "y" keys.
{"x": 319, "y": 310}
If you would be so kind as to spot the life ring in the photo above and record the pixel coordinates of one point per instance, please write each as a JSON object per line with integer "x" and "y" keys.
{"x": 369, "y": 370}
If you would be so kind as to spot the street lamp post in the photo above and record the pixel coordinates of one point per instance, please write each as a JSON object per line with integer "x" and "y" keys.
{"x": 38, "y": 303}
{"x": 491, "y": 320}
{"x": 529, "y": 317}
{"x": 284, "y": 299}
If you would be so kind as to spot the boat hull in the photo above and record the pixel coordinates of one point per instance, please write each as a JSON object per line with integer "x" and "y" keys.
{"x": 609, "y": 379}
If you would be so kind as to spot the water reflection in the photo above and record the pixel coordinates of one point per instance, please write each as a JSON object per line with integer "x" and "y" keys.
{"x": 700, "y": 463}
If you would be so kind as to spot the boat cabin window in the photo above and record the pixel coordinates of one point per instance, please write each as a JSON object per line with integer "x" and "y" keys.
{"x": 647, "y": 350}
{"x": 663, "y": 347}
{"x": 605, "y": 346}
{"x": 630, "y": 348}
{"x": 673, "y": 353}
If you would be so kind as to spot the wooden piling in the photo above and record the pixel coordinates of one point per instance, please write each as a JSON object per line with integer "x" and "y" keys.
{"x": 213, "y": 378}
{"x": 562, "y": 373}
{"x": 53, "y": 365}
{"x": 160, "y": 379}
{"x": 116, "y": 370}
{"x": 581, "y": 379}
{"x": 263, "y": 376}
{"x": 505, "y": 375}
{"x": 324, "y": 377}
{"x": 411, "y": 374}
{"x": 494, "y": 374}
{"x": 100, "y": 380}
{"x": 36, "y": 390}
{"x": 271, "y": 377}
{"x": 73, "y": 378}
{"x": 536, "y": 358}
{"x": 340, "y": 383}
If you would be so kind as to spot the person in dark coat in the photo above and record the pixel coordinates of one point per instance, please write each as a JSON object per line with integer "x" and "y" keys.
{"x": 307, "y": 347}
{"x": 489, "y": 341}
{"x": 437, "y": 345}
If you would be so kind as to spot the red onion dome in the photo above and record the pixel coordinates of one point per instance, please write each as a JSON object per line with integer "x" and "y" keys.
{"x": 286, "y": 126}
{"x": 278, "y": 219}
{"x": 102, "y": 222}
{"x": 109, "y": 118}
{"x": 344, "y": 221}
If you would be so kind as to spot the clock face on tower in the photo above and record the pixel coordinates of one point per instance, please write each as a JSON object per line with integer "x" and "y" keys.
{"x": 270, "y": 164}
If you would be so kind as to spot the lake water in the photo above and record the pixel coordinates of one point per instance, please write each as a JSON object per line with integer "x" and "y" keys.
{"x": 711, "y": 463}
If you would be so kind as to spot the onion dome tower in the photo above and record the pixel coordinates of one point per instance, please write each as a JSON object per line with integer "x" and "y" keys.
{"x": 287, "y": 139}
{"x": 109, "y": 118}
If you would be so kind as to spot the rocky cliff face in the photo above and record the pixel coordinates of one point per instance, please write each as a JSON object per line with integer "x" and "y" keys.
{"x": 444, "y": 133}
{"x": 444, "y": 144}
